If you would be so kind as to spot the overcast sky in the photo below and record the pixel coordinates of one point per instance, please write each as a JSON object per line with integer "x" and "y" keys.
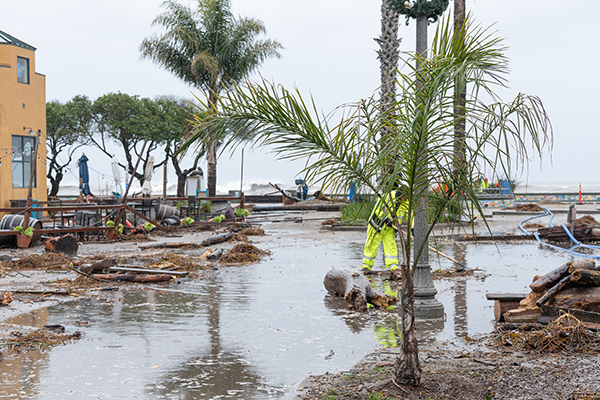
{"x": 91, "y": 48}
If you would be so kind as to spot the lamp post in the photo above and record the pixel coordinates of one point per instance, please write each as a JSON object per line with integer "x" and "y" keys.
{"x": 426, "y": 307}
{"x": 33, "y": 170}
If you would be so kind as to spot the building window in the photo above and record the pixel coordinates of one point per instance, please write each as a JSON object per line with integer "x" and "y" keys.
{"x": 22, "y": 151}
{"x": 23, "y": 70}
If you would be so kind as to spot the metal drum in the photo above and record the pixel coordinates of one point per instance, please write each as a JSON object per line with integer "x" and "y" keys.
{"x": 164, "y": 211}
{"x": 10, "y": 221}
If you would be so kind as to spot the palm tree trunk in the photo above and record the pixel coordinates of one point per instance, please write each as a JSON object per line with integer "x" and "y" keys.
{"x": 460, "y": 94}
{"x": 211, "y": 154}
{"x": 408, "y": 367}
{"x": 388, "y": 55}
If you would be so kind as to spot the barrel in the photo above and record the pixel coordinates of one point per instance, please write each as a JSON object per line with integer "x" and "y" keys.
{"x": 10, "y": 221}
{"x": 164, "y": 211}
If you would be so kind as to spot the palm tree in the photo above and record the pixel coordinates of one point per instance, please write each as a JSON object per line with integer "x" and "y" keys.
{"x": 341, "y": 154}
{"x": 209, "y": 49}
{"x": 388, "y": 55}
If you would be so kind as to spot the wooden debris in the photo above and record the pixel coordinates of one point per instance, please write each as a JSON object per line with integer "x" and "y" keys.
{"x": 99, "y": 266}
{"x": 579, "y": 297}
{"x": 133, "y": 277}
{"x": 581, "y": 264}
{"x": 63, "y": 244}
{"x": 550, "y": 279}
{"x": 147, "y": 271}
{"x": 554, "y": 290}
{"x": 215, "y": 255}
{"x": 356, "y": 290}
{"x": 585, "y": 277}
{"x": 170, "y": 245}
{"x": 504, "y": 302}
{"x": 5, "y": 298}
{"x": 522, "y": 315}
{"x": 214, "y": 239}
{"x": 558, "y": 234}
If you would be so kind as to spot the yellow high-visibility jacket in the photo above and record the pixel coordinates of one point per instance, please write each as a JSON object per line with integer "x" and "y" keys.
{"x": 381, "y": 215}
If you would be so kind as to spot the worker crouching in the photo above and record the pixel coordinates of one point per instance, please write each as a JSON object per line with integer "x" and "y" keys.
{"x": 381, "y": 229}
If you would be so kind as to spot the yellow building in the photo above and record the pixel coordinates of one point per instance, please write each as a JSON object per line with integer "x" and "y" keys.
{"x": 22, "y": 121}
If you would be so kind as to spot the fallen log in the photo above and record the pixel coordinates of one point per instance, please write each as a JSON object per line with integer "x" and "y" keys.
{"x": 581, "y": 264}
{"x": 356, "y": 290}
{"x": 63, "y": 244}
{"x": 221, "y": 237}
{"x": 585, "y": 277}
{"x": 579, "y": 297}
{"x": 147, "y": 271}
{"x": 558, "y": 234}
{"x": 215, "y": 255}
{"x": 133, "y": 278}
{"x": 170, "y": 245}
{"x": 550, "y": 279}
{"x": 5, "y": 298}
{"x": 582, "y": 315}
{"x": 99, "y": 266}
{"x": 42, "y": 291}
{"x": 553, "y": 290}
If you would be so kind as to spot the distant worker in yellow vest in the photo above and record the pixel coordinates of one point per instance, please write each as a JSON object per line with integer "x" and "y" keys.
{"x": 381, "y": 229}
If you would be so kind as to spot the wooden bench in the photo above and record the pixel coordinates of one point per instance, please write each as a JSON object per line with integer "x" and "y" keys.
{"x": 504, "y": 302}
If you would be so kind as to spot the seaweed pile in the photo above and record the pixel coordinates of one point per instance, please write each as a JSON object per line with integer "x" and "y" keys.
{"x": 564, "y": 335}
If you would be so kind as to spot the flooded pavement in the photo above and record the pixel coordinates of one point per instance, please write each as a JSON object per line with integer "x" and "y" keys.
{"x": 252, "y": 332}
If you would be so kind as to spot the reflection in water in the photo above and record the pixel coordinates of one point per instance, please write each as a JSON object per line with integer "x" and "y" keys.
{"x": 20, "y": 372}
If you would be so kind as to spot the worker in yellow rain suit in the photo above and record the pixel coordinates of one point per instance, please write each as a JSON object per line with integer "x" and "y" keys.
{"x": 381, "y": 228}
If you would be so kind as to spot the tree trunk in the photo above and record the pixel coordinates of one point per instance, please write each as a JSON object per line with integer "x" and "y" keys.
{"x": 211, "y": 173}
{"x": 356, "y": 290}
{"x": 460, "y": 94}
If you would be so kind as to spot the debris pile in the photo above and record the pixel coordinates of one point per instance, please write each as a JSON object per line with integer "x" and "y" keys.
{"x": 243, "y": 253}
{"x": 39, "y": 339}
{"x": 574, "y": 286}
{"x": 565, "y": 334}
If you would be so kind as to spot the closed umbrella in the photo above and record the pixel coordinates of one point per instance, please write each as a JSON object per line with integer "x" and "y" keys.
{"x": 84, "y": 176}
{"x": 117, "y": 177}
{"x": 147, "y": 186}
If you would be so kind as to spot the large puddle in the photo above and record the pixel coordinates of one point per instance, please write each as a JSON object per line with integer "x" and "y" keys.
{"x": 250, "y": 332}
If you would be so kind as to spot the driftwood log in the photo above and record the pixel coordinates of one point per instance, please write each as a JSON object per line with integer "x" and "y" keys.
{"x": 579, "y": 297}
{"x": 558, "y": 234}
{"x": 147, "y": 271}
{"x": 170, "y": 245}
{"x": 99, "y": 266}
{"x": 356, "y": 290}
{"x": 133, "y": 277}
{"x": 221, "y": 237}
{"x": 63, "y": 244}
{"x": 554, "y": 290}
{"x": 215, "y": 255}
{"x": 585, "y": 277}
{"x": 550, "y": 279}
{"x": 581, "y": 264}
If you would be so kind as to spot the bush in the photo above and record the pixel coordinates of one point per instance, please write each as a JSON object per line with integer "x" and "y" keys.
{"x": 358, "y": 210}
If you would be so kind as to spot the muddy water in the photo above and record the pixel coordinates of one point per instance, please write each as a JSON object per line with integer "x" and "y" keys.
{"x": 249, "y": 332}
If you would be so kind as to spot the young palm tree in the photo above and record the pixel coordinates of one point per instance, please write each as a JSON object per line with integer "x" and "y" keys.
{"x": 209, "y": 49}
{"x": 419, "y": 146}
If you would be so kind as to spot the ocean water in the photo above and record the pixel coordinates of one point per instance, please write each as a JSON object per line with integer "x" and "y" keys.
{"x": 263, "y": 188}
